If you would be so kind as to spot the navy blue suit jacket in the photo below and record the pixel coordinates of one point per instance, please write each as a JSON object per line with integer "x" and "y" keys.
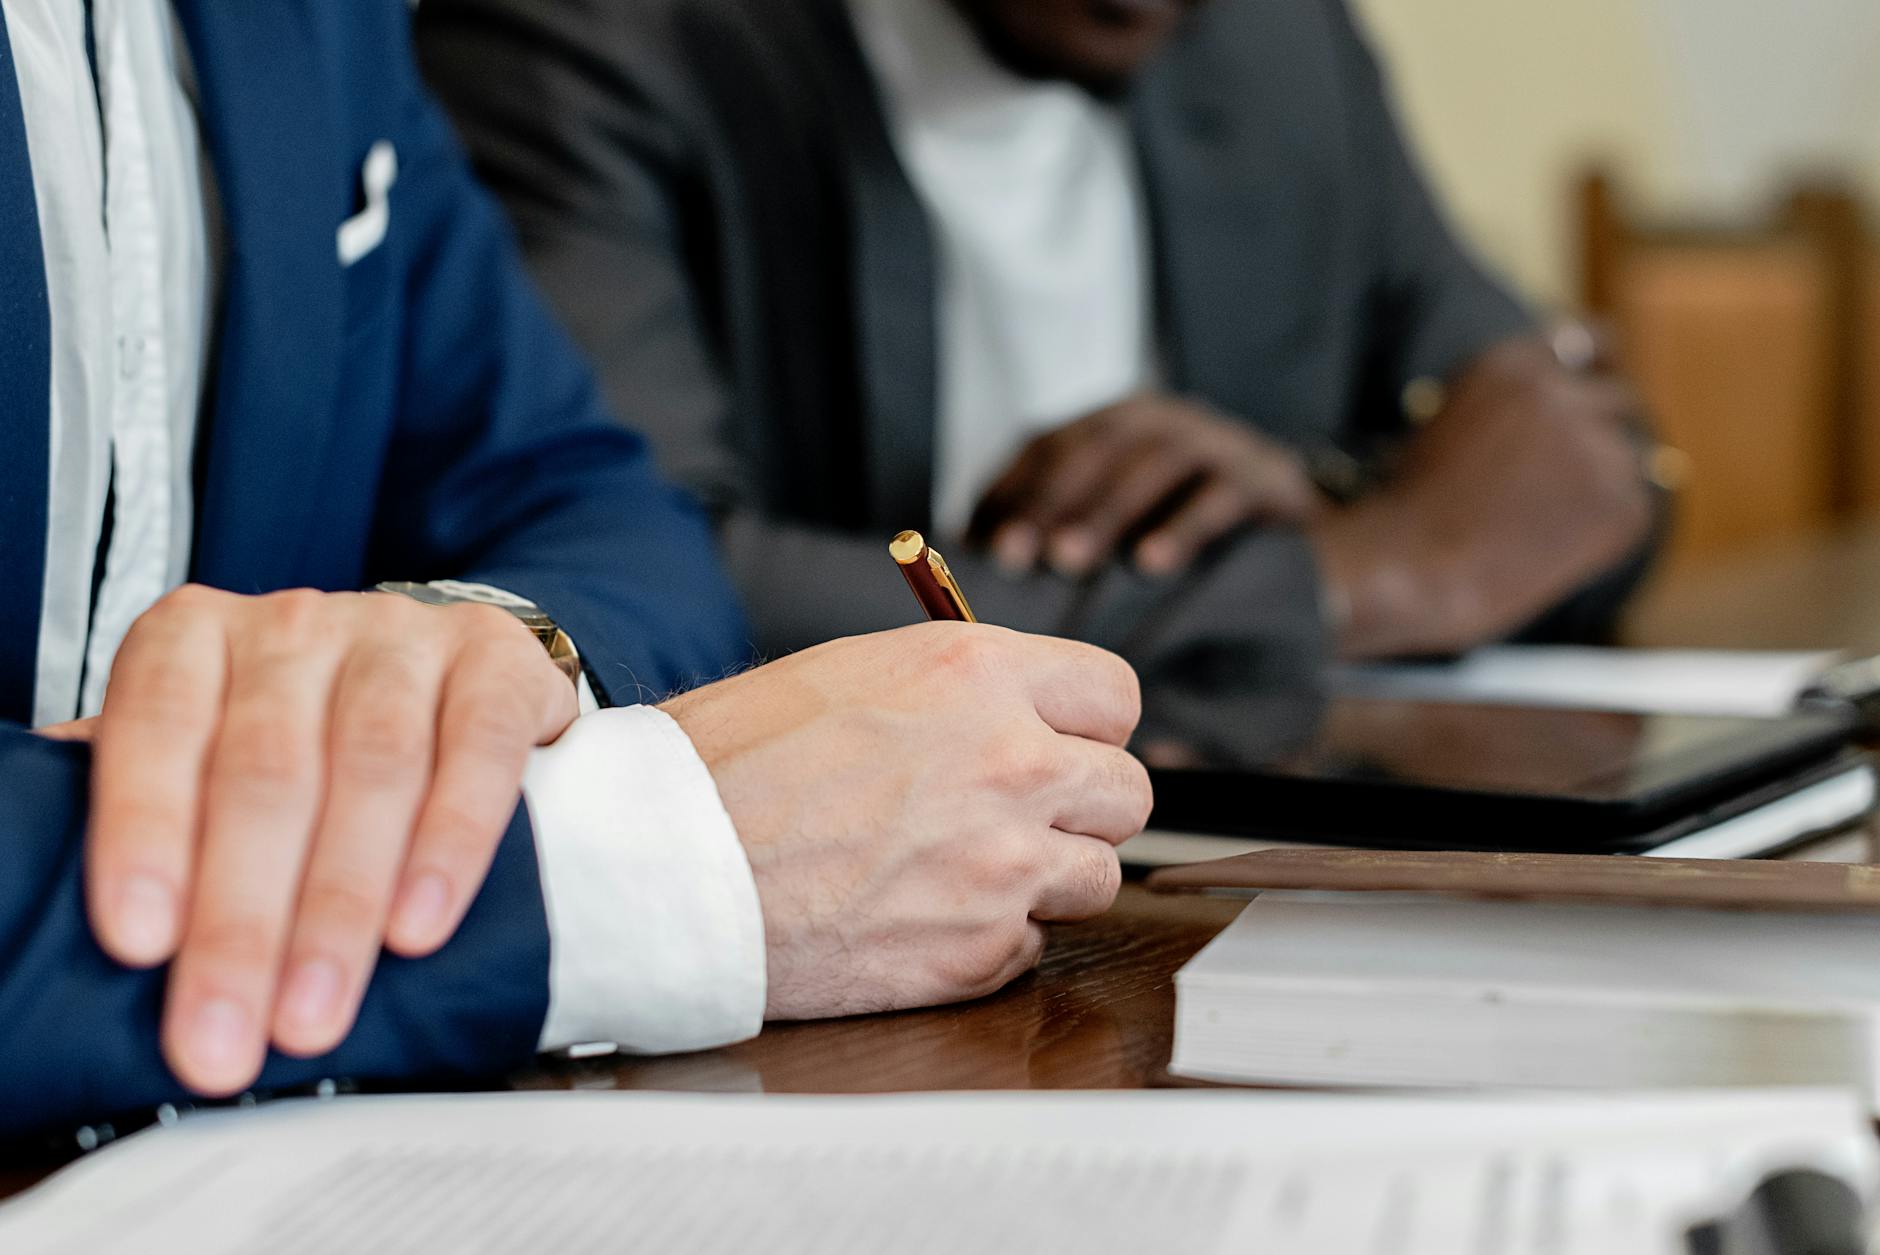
{"x": 415, "y": 415}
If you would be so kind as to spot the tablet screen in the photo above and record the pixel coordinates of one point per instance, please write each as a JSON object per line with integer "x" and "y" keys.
{"x": 1592, "y": 756}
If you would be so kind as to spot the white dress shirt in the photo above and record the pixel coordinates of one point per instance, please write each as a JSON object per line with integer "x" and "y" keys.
{"x": 1036, "y": 202}
{"x": 656, "y": 935}
{"x": 127, "y": 273}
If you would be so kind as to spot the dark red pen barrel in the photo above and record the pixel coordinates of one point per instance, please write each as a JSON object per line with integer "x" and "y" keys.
{"x": 932, "y": 595}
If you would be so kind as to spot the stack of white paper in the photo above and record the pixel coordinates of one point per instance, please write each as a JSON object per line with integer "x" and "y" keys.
{"x": 1372, "y": 989}
{"x": 1195, "y": 1172}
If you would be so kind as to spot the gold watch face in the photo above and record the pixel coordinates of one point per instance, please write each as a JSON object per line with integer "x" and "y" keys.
{"x": 562, "y": 653}
{"x": 559, "y": 644}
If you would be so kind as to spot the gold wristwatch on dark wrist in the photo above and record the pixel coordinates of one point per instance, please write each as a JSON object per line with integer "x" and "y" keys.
{"x": 559, "y": 644}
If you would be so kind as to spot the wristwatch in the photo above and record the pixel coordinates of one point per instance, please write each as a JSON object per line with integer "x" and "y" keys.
{"x": 1583, "y": 349}
{"x": 559, "y": 644}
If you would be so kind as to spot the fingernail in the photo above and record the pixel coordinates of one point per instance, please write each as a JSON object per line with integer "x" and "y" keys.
{"x": 312, "y": 993}
{"x": 1016, "y": 549}
{"x": 421, "y": 910}
{"x": 144, "y": 919}
{"x": 1073, "y": 552}
{"x": 220, "y": 1038}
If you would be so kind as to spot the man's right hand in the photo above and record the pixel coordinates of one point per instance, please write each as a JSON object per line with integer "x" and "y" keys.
{"x": 916, "y": 804}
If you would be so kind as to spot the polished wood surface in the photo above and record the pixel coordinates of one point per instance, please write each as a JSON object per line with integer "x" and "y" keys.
{"x": 1099, "y": 1011}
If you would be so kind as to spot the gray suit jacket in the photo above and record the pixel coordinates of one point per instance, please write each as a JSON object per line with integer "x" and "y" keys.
{"x": 707, "y": 191}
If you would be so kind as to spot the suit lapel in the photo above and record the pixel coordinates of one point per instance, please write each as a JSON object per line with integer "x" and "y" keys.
{"x": 25, "y": 403}
{"x": 896, "y": 291}
{"x": 1217, "y": 186}
{"x": 895, "y": 297}
{"x": 267, "y": 127}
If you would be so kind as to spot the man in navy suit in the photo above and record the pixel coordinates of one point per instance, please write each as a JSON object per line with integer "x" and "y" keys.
{"x": 266, "y": 346}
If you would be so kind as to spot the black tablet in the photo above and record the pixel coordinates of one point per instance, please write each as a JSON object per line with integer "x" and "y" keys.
{"x": 1359, "y": 771}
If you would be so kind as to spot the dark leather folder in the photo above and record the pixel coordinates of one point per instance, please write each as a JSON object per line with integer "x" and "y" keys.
{"x": 1759, "y": 885}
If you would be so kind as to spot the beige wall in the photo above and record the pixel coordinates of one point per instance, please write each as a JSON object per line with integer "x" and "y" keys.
{"x": 1707, "y": 106}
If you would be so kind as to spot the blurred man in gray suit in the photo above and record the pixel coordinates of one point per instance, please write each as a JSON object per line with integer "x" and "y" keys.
{"x": 1142, "y": 301}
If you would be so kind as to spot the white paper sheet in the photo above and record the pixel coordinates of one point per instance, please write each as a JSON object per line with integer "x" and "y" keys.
{"x": 1220, "y": 1171}
{"x": 1756, "y": 683}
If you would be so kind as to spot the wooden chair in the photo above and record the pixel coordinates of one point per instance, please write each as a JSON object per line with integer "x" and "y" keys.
{"x": 1751, "y": 347}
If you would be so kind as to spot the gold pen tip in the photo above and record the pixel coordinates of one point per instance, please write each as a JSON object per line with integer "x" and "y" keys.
{"x": 907, "y": 547}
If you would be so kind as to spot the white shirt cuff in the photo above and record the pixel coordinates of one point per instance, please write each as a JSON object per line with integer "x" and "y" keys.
{"x": 656, "y": 936}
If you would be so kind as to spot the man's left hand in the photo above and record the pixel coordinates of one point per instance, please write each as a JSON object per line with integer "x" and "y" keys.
{"x": 283, "y": 784}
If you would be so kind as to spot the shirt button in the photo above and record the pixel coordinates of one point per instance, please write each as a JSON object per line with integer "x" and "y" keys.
{"x": 130, "y": 355}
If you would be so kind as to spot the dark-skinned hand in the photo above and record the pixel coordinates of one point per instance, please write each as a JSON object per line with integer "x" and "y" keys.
{"x": 1155, "y": 479}
{"x": 1526, "y": 485}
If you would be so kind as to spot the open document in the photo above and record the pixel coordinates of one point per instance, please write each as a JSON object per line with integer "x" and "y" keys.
{"x": 1190, "y": 1171}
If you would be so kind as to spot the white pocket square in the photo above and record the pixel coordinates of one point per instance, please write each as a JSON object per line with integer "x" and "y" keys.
{"x": 365, "y": 231}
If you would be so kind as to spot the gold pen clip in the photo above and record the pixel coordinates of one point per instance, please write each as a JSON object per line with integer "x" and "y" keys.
{"x": 944, "y": 575}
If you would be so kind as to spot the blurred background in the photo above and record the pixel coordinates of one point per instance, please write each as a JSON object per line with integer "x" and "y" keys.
{"x": 1703, "y": 175}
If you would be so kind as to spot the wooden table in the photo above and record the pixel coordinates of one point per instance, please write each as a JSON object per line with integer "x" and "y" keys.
{"x": 1099, "y": 1012}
